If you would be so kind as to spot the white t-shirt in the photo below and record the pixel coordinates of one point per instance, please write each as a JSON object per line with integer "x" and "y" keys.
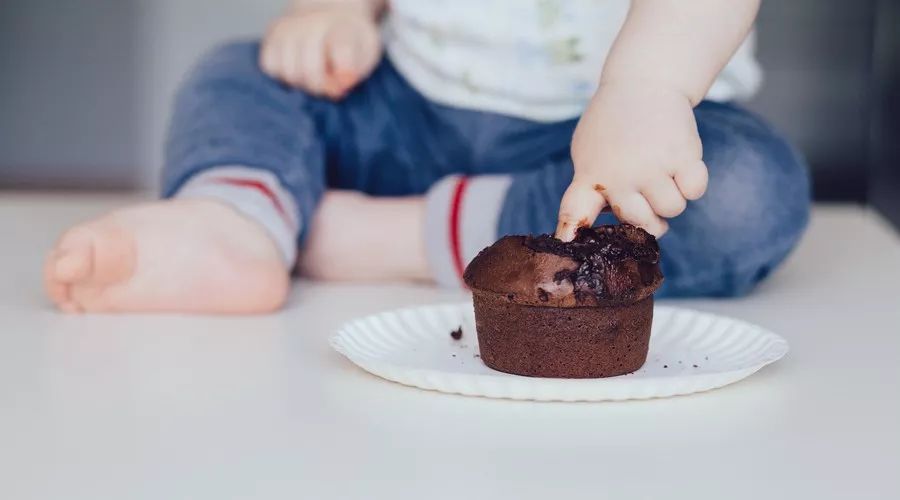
{"x": 533, "y": 59}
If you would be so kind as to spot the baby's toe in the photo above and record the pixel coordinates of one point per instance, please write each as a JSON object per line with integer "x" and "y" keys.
{"x": 73, "y": 257}
{"x": 88, "y": 259}
{"x": 57, "y": 291}
{"x": 70, "y": 307}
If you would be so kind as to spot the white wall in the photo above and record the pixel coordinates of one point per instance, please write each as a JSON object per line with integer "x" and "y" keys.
{"x": 86, "y": 86}
{"x": 67, "y": 91}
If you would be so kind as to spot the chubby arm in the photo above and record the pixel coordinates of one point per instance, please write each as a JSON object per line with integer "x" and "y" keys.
{"x": 679, "y": 44}
{"x": 324, "y": 47}
{"x": 636, "y": 146}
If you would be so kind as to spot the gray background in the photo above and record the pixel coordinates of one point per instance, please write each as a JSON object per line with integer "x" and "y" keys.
{"x": 85, "y": 86}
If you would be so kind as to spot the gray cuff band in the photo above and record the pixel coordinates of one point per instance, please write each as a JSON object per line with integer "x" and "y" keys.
{"x": 478, "y": 213}
{"x": 278, "y": 216}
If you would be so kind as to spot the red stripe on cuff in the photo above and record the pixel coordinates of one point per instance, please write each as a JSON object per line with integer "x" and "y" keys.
{"x": 259, "y": 186}
{"x": 455, "y": 209}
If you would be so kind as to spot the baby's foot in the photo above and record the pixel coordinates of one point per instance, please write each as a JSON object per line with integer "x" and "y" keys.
{"x": 354, "y": 237}
{"x": 195, "y": 256}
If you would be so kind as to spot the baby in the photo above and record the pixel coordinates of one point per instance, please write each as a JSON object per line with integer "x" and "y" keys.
{"x": 482, "y": 118}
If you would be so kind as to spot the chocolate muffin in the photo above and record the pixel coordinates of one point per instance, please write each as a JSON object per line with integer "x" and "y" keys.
{"x": 583, "y": 309}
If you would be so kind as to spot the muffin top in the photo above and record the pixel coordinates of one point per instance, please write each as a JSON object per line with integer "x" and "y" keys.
{"x": 602, "y": 266}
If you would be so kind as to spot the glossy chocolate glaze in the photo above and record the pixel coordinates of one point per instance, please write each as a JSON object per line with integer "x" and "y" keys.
{"x": 597, "y": 250}
{"x": 603, "y": 265}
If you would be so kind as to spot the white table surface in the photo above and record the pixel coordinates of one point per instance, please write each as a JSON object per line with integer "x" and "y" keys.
{"x": 166, "y": 407}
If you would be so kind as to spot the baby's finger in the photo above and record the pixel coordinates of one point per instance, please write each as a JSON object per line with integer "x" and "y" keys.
{"x": 369, "y": 46}
{"x": 665, "y": 198}
{"x": 269, "y": 60}
{"x": 312, "y": 57}
{"x": 692, "y": 179}
{"x": 343, "y": 63}
{"x": 580, "y": 206}
{"x": 342, "y": 48}
{"x": 632, "y": 208}
{"x": 292, "y": 71}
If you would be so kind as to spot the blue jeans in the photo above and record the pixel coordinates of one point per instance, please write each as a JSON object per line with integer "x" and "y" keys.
{"x": 386, "y": 139}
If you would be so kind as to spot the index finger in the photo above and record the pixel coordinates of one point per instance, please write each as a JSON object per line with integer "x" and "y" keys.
{"x": 580, "y": 206}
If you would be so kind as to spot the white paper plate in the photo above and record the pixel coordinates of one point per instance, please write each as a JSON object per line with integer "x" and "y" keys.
{"x": 690, "y": 351}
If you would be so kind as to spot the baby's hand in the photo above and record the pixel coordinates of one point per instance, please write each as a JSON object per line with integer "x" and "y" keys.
{"x": 636, "y": 149}
{"x": 324, "y": 49}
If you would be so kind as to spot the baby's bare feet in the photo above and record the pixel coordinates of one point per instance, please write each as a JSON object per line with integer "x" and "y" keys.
{"x": 355, "y": 237}
{"x": 194, "y": 256}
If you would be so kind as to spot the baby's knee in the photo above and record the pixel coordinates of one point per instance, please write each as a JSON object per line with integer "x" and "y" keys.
{"x": 230, "y": 62}
{"x": 756, "y": 208}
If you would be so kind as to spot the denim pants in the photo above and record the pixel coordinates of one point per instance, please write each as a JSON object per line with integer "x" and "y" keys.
{"x": 386, "y": 139}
